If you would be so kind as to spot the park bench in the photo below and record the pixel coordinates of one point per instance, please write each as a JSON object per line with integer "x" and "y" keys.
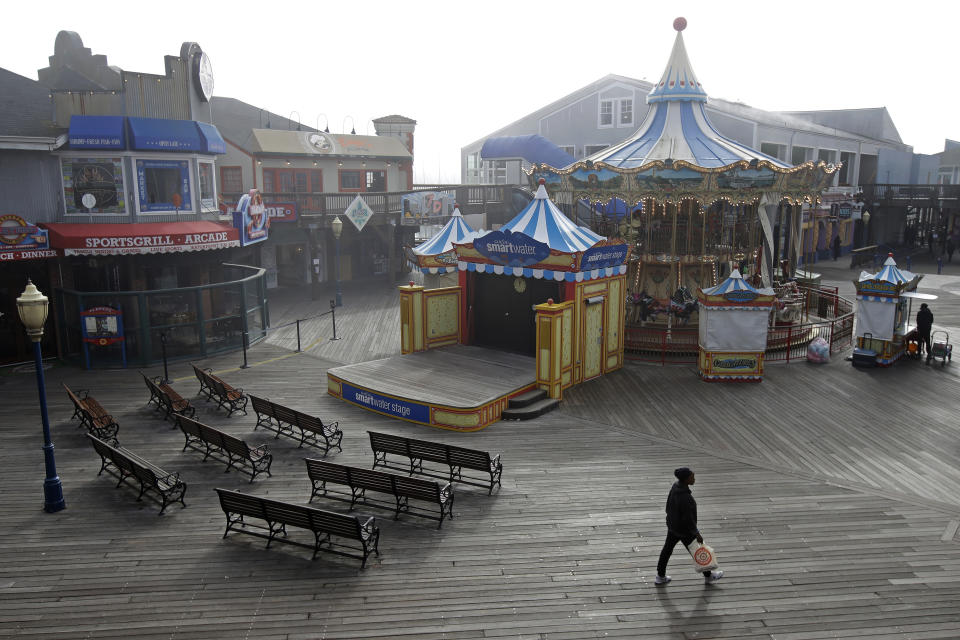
{"x": 363, "y": 481}
{"x": 296, "y": 424}
{"x": 164, "y": 396}
{"x": 215, "y": 388}
{"x": 124, "y": 464}
{"x": 456, "y": 459}
{"x": 224, "y": 447}
{"x": 325, "y": 525}
{"x": 863, "y": 255}
{"x": 92, "y": 415}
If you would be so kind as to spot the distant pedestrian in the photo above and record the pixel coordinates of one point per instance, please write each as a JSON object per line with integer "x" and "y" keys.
{"x": 836, "y": 247}
{"x": 924, "y": 324}
{"x": 681, "y": 525}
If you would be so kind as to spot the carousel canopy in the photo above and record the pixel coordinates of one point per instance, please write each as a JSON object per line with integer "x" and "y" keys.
{"x": 676, "y": 126}
{"x": 544, "y": 222}
{"x": 532, "y": 148}
{"x": 456, "y": 230}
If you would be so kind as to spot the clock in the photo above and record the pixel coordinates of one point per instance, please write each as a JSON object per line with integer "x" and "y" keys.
{"x": 202, "y": 75}
{"x": 519, "y": 285}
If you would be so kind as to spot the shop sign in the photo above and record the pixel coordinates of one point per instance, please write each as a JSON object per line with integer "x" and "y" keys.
{"x": 511, "y": 249}
{"x": 423, "y": 206}
{"x": 20, "y": 240}
{"x": 878, "y": 288}
{"x": 403, "y": 409}
{"x": 251, "y": 218}
{"x": 741, "y": 295}
{"x": 102, "y": 325}
{"x": 359, "y": 213}
{"x": 735, "y": 363}
{"x": 603, "y": 256}
{"x": 281, "y": 211}
{"x": 845, "y": 211}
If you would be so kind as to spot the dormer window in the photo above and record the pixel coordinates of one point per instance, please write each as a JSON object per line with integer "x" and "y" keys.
{"x": 615, "y": 112}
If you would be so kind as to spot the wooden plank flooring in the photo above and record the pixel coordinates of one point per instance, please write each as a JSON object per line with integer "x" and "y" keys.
{"x": 829, "y": 493}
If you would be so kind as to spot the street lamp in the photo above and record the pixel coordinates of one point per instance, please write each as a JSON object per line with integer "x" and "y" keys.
{"x": 32, "y": 307}
{"x": 866, "y": 230}
{"x": 337, "y": 227}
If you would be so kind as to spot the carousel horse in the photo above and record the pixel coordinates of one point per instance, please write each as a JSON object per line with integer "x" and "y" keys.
{"x": 645, "y": 306}
{"x": 683, "y": 305}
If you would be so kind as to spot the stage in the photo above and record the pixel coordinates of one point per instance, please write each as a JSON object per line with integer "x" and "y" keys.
{"x": 461, "y": 387}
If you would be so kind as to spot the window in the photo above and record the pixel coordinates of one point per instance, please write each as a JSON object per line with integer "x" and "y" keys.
{"x": 292, "y": 180}
{"x": 773, "y": 150}
{"x": 164, "y": 185}
{"x": 826, "y": 155}
{"x": 606, "y": 113}
{"x": 100, "y": 178}
{"x": 362, "y": 180}
{"x": 208, "y": 196}
{"x": 846, "y": 168}
{"x": 626, "y": 113}
{"x": 591, "y": 149}
{"x": 231, "y": 180}
{"x": 799, "y": 155}
{"x": 571, "y": 149}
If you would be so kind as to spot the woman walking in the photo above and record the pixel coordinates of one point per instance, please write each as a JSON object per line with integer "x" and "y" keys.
{"x": 681, "y": 524}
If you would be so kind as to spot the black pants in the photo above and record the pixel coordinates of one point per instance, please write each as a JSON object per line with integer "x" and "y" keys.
{"x": 667, "y": 551}
{"x": 923, "y": 337}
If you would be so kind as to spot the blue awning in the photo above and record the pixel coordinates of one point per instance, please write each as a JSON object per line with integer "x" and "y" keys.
{"x": 155, "y": 134}
{"x": 532, "y": 148}
{"x": 97, "y": 132}
{"x": 213, "y": 141}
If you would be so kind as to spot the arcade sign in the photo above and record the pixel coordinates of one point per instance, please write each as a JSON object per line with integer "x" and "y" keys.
{"x": 20, "y": 240}
{"x": 511, "y": 249}
{"x": 281, "y": 211}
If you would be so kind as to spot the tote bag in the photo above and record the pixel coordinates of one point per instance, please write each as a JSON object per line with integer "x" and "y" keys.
{"x": 704, "y": 558}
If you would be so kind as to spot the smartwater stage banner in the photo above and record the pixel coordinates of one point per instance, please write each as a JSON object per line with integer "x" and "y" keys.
{"x": 403, "y": 409}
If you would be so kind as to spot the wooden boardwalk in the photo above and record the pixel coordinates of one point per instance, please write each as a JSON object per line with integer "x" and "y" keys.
{"x": 830, "y": 494}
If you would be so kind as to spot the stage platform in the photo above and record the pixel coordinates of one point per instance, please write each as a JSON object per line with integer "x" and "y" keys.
{"x": 460, "y": 387}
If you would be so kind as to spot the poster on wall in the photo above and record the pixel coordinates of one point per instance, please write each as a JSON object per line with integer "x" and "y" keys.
{"x": 251, "y": 218}
{"x": 93, "y": 185}
{"x": 164, "y": 185}
{"x": 359, "y": 213}
{"x": 424, "y": 207}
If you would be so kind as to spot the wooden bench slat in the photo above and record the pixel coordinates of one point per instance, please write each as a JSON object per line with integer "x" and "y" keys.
{"x": 455, "y": 458}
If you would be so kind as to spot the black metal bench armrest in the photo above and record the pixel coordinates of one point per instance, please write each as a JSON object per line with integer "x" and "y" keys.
{"x": 83, "y": 393}
{"x": 260, "y": 449}
{"x": 368, "y": 526}
{"x": 171, "y": 479}
{"x": 495, "y": 461}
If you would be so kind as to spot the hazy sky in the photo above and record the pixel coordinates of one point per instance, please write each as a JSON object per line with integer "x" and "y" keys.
{"x": 463, "y": 71}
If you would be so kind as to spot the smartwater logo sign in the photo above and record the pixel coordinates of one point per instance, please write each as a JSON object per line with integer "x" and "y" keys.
{"x": 511, "y": 249}
{"x": 391, "y": 406}
{"x": 604, "y": 256}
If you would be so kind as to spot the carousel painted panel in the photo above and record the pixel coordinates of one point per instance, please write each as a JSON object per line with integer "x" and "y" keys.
{"x": 731, "y": 366}
{"x": 443, "y": 316}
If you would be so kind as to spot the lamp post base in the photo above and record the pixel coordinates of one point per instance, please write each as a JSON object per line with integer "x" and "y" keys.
{"x": 53, "y": 495}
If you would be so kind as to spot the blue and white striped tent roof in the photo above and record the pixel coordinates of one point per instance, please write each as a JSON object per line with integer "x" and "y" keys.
{"x": 676, "y": 126}
{"x": 890, "y": 273}
{"x": 544, "y": 222}
{"x": 456, "y": 230}
{"x": 735, "y": 282}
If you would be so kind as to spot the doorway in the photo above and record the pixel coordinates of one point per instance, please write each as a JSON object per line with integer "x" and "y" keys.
{"x": 504, "y": 314}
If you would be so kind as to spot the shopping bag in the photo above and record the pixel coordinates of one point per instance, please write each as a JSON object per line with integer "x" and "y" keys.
{"x": 704, "y": 558}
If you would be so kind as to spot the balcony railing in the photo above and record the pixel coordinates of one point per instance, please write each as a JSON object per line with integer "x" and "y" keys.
{"x": 912, "y": 194}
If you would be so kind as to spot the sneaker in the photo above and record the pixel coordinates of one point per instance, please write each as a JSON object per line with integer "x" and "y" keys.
{"x": 662, "y": 579}
{"x": 714, "y": 576}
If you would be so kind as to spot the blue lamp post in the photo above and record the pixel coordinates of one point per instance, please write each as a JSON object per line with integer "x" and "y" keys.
{"x": 337, "y": 227}
{"x": 32, "y": 307}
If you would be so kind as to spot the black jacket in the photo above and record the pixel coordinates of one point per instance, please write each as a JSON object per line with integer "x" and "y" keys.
{"x": 681, "y": 511}
{"x": 924, "y": 320}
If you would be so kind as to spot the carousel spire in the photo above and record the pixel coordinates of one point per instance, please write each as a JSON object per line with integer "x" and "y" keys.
{"x": 678, "y": 81}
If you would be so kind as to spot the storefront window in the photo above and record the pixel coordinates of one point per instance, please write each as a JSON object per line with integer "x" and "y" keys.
{"x": 205, "y": 180}
{"x": 93, "y": 185}
{"x": 164, "y": 185}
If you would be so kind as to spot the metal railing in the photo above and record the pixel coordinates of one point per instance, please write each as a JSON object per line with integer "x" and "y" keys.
{"x": 785, "y": 343}
{"x": 910, "y": 194}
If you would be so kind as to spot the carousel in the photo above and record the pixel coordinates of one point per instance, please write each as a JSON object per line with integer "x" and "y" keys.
{"x": 692, "y": 204}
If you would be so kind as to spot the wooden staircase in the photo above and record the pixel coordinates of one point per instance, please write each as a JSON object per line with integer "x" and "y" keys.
{"x": 529, "y": 405}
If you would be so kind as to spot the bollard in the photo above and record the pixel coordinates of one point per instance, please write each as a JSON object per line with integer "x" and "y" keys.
{"x": 940, "y": 265}
{"x": 909, "y": 263}
{"x": 163, "y": 354}
{"x": 333, "y": 311}
{"x": 298, "y": 335}
{"x": 244, "y": 365}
